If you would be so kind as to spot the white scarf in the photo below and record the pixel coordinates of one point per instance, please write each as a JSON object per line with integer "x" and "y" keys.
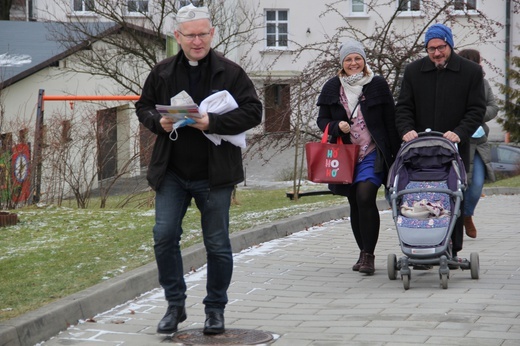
{"x": 353, "y": 86}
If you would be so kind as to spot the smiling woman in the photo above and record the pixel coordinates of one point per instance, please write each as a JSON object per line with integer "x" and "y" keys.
{"x": 344, "y": 110}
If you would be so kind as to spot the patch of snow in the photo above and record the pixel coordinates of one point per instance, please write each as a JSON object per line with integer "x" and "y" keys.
{"x": 7, "y": 59}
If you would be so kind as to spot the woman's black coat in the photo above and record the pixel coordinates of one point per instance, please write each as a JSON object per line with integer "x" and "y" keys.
{"x": 377, "y": 106}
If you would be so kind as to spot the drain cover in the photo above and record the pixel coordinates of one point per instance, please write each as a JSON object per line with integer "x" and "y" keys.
{"x": 230, "y": 337}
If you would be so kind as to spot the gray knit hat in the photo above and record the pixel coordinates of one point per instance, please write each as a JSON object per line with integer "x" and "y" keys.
{"x": 351, "y": 46}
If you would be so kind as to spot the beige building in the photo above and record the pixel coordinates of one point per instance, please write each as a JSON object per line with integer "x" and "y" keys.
{"x": 279, "y": 42}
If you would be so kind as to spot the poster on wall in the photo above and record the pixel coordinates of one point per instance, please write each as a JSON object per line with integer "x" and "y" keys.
{"x": 21, "y": 182}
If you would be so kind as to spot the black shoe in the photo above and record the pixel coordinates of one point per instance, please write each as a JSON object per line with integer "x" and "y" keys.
{"x": 174, "y": 315}
{"x": 367, "y": 266}
{"x": 214, "y": 323}
{"x": 356, "y": 266}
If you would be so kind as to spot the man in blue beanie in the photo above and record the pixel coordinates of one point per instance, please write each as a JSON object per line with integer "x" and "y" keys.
{"x": 438, "y": 53}
{"x": 439, "y": 31}
{"x": 443, "y": 92}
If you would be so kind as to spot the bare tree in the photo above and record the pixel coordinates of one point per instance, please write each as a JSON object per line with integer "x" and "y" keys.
{"x": 138, "y": 43}
{"x": 115, "y": 158}
{"x": 77, "y": 153}
{"x": 389, "y": 46}
{"x": 69, "y": 162}
{"x": 129, "y": 46}
{"x": 511, "y": 104}
{"x": 124, "y": 48}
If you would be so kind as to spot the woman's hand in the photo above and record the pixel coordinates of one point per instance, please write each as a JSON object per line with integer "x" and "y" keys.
{"x": 344, "y": 126}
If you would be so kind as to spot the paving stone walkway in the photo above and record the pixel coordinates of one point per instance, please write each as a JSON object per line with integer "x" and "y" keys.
{"x": 300, "y": 289}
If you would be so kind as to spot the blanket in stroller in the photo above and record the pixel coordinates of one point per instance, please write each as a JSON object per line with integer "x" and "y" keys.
{"x": 425, "y": 209}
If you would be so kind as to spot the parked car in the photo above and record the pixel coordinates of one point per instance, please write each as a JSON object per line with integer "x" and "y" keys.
{"x": 505, "y": 160}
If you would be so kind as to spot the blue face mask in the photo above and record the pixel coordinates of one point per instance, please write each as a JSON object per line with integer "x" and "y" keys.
{"x": 479, "y": 133}
{"x": 180, "y": 123}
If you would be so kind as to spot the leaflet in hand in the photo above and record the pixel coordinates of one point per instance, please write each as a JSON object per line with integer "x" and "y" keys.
{"x": 179, "y": 112}
{"x": 182, "y": 108}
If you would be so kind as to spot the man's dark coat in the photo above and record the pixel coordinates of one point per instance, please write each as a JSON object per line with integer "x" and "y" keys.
{"x": 451, "y": 99}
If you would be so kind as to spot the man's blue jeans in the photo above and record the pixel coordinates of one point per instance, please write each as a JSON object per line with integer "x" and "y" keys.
{"x": 171, "y": 202}
{"x": 474, "y": 190}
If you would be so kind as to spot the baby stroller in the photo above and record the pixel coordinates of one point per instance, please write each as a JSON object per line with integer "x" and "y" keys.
{"x": 426, "y": 184}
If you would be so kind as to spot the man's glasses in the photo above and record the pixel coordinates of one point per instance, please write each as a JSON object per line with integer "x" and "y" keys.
{"x": 192, "y": 37}
{"x": 440, "y": 48}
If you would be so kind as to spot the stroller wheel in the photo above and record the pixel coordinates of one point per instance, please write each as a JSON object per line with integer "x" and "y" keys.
{"x": 474, "y": 265}
{"x": 391, "y": 266}
{"x": 406, "y": 281}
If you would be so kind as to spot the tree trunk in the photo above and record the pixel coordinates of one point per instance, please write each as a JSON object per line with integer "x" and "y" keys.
{"x": 5, "y": 9}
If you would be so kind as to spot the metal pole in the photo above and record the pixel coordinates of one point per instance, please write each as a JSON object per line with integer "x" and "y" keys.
{"x": 90, "y": 97}
{"x": 508, "y": 48}
{"x": 36, "y": 163}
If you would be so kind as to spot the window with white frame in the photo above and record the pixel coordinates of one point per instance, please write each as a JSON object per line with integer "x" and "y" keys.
{"x": 357, "y": 7}
{"x": 137, "y": 6}
{"x": 276, "y": 24}
{"x": 465, "y": 5}
{"x": 408, "y": 5}
{"x": 83, "y": 5}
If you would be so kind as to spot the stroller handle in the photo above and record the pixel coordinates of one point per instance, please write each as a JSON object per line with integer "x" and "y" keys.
{"x": 429, "y": 132}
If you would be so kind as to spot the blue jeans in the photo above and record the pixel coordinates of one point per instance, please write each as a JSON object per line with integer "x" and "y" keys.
{"x": 171, "y": 202}
{"x": 474, "y": 190}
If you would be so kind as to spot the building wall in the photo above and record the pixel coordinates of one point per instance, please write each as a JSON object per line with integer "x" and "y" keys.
{"x": 307, "y": 15}
{"x": 20, "y": 102}
{"x": 62, "y": 10}
{"x": 308, "y": 23}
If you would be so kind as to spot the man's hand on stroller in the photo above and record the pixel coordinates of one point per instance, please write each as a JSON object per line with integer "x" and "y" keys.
{"x": 410, "y": 135}
{"x": 451, "y": 136}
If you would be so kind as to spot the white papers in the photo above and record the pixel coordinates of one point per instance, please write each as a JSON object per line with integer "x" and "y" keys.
{"x": 219, "y": 103}
{"x": 182, "y": 108}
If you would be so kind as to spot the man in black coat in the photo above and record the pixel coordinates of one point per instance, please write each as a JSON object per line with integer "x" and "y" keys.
{"x": 445, "y": 93}
{"x": 189, "y": 166}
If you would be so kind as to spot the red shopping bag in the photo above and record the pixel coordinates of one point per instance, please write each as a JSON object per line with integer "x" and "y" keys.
{"x": 331, "y": 163}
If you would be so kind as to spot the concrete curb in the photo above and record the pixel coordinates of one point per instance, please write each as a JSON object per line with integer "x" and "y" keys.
{"x": 48, "y": 321}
